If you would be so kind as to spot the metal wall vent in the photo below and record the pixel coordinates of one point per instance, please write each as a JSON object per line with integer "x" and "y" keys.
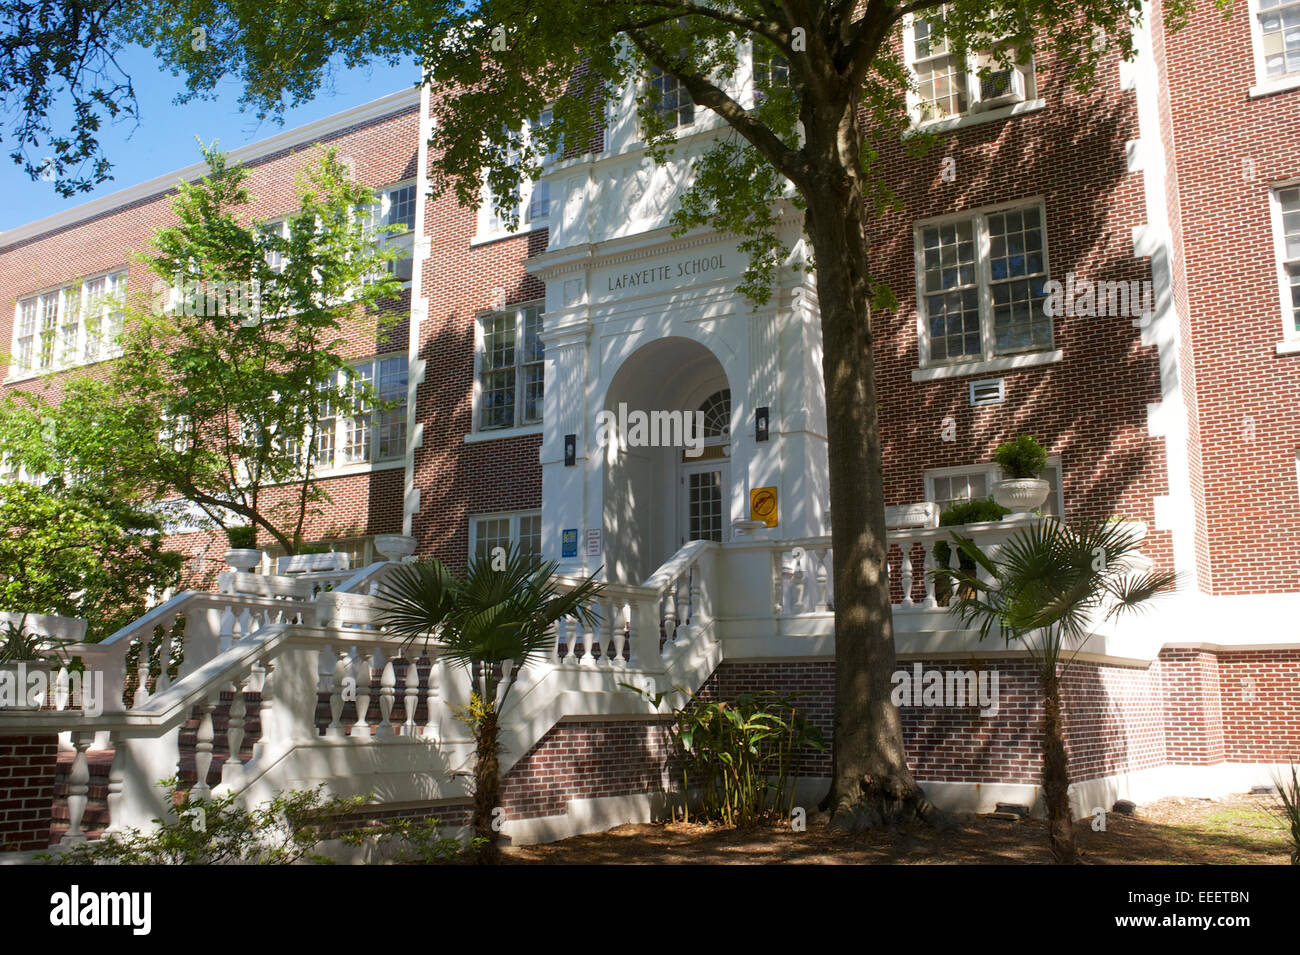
{"x": 990, "y": 391}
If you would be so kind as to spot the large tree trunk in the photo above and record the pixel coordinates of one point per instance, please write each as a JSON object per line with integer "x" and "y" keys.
{"x": 870, "y": 782}
{"x": 1056, "y": 774}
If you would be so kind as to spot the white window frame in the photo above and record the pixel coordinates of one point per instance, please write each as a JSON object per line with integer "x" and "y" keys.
{"x": 343, "y": 423}
{"x": 988, "y": 359}
{"x": 678, "y": 128}
{"x": 115, "y": 280}
{"x": 1290, "y": 342}
{"x": 404, "y": 241}
{"x": 1031, "y": 102}
{"x": 991, "y": 474}
{"x": 517, "y": 426}
{"x": 513, "y": 517}
{"x": 490, "y": 228}
{"x": 1263, "y": 85}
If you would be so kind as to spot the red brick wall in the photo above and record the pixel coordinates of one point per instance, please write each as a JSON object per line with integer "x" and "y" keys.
{"x": 1229, "y": 150}
{"x": 1091, "y": 408}
{"x": 1193, "y": 715}
{"x": 27, "y": 765}
{"x": 1259, "y": 697}
{"x": 383, "y": 151}
{"x": 456, "y": 479}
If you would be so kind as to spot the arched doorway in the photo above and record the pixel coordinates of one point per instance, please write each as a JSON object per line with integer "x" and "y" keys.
{"x": 660, "y": 493}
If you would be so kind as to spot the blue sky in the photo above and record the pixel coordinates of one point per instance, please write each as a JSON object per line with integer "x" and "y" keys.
{"x": 164, "y": 142}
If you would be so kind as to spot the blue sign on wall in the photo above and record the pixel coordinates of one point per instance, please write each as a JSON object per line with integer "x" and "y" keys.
{"x": 569, "y": 542}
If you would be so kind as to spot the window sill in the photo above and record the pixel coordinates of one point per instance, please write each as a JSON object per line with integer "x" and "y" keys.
{"x": 503, "y": 433}
{"x": 974, "y": 119}
{"x": 1289, "y": 347}
{"x": 16, "y": 377}
{"x": 348, "y": 470}
{"x": 487, "y": 238}
{"x": 1269, "y": 87}
{"x": 1009, "y": 363}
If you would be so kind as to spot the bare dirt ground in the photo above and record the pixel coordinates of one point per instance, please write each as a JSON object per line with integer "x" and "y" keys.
{"x": 1232, "y": 830}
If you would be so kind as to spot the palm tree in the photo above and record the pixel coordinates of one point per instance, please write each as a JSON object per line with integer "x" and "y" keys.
{"x": 493, "y": 620}
{"x": 1048, "y": 584}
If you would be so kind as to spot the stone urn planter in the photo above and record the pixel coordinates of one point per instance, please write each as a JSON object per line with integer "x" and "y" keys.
{"x": 243, "y": 558}
{"x": 1021, "y": 495}
{"x": 746, "y": 527}
{"x": 394, "y": 547}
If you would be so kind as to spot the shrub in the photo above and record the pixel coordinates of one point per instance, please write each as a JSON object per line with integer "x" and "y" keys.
{"x": 219, "y": 831}
{"x": 1289, "y": 814}
{"x": 738, "y": 754}
{"x": 242, "y": 538}
{"x": 1022, "y": 458}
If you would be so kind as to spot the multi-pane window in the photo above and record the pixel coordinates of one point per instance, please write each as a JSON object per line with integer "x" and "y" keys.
{"x": 531, "y": 199}
{"x": 395, "y": 213}
{"x": 390, "y": 427}
{"x": 490, "y": 531}
{"x": 982, "y": 285}
{"x": 949, "y": 486}
{"x": 1279, "y": 37}
{"x": 1288, "y": 206}
{"x": 673, "y": 104}
{"x": 357, "y": 432}
{"x": 73, "y": 325}
{"x": 949, "y": 84}
{"x": 511, "y": 368}
{"x": 771, "y": 69}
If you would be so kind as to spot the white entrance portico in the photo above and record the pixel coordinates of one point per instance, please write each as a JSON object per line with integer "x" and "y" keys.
{"x": 661, "y": 329}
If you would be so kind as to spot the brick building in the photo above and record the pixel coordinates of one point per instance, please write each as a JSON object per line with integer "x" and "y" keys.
{"x": 1161, "y": 209}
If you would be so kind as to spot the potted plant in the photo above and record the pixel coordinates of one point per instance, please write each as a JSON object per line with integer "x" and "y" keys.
{"x": 1021, "y": 461}
{"x": 21, "y": 647}
{"x": 243, "y": 554}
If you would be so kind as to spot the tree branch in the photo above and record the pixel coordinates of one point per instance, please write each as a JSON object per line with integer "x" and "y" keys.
{"x": 788, "y": 162}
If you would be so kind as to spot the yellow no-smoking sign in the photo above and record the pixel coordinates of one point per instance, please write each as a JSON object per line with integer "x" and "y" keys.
{"x": 762, "y": 505}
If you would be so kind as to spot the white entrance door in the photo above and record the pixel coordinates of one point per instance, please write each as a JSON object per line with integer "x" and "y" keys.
{"x": 705, "y": 494}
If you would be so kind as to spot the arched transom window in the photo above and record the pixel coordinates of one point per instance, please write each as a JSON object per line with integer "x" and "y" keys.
{"x": 717, "y": 414}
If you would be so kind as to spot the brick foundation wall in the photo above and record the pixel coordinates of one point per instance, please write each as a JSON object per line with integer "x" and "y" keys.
{"x": 27, "y": 766}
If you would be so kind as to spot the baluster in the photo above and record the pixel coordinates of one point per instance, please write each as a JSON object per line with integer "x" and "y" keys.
{"x": 164, "y": 656}
{"x": 232, "y": 773}
{"x": 618, "y": 632}
{"x": 116, "y": 779}
{"x": 430, "y": 702}
{"x": 61, "y": 694}
{"x": 264, "y": 715}
{"x": 695, "y": 597}
{"x": 685, "y": 609}
{"x": 78, "y": 789}
{"x": 361, "y": 668}
{"x": 561, "y": 640}
{"x": 928, "y": 569}
{"x": 799, "y": 581}
{"x": 142, "y": 673}
{"x": 633, "y": 660}
{"x": 670, "y": 616}
{"x": 335, "y": 728}
{"x": 822, "y": 576}
{"x": 906, "y": 574}
{"x": 829, "y": 560}
{"x": 606, "y": 634}
{"x": 411, "y": 695}
{"x": 588, "y": 644}
{"x": 203, "y": 751}
{"x": 227, "y": 635}
{"x": 245, "y": 624}
{"x": 387, "y": 695}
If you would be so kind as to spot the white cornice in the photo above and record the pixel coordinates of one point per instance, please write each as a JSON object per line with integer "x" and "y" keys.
{"x": 384, "y": 106}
